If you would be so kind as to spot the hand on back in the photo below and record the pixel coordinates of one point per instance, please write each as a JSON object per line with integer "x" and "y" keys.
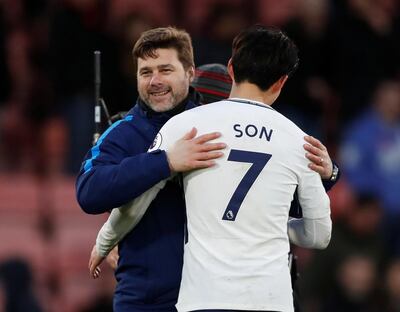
{"x": 191, "y": 152}
{"x": 319, "y": 157}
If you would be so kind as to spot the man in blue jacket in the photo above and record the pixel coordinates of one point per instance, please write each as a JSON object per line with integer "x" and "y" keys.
{"x": 118, "y": 169}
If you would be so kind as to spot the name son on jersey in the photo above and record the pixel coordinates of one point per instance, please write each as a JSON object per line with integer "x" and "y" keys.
{"x": 252, "y": 131}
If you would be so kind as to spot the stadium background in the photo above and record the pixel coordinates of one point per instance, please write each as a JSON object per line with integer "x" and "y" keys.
{"x": 349, "y": 51}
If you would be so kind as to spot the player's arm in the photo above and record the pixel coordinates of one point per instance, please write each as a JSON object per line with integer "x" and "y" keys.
{"x": 313, "y": 230}
{"x": 310, "y": 233}
{"x": 115, "y": 172}
{"x": 321, "y": 163}
{"x": 123, "y": 219}
{"x": 187, "y": 153}
{"x": 120, "y": 222}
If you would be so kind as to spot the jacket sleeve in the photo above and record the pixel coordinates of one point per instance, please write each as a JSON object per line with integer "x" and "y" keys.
{"x": 114, "y": 172}
{"x": 328, "y": 184}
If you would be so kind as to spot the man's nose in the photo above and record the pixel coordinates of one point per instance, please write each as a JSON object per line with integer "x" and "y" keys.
{"x": 155, "y": 79}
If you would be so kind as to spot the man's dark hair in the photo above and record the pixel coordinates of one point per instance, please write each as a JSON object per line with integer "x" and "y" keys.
{"x": 261, "y": 55}
{"x": 164, "y": 38}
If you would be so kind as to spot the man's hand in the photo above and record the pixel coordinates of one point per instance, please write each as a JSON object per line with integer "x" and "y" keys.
{"x": 112, "y": 258}
{"x": 319, "y": 157}
{"x": 190, "y": 153}
{"x": 94, "y": 262}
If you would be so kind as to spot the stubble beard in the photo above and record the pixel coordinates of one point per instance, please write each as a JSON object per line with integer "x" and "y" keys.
{"x": 173, "y": 101}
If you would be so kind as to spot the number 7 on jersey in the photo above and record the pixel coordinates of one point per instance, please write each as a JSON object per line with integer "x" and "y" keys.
{"x": 258, "y": 160}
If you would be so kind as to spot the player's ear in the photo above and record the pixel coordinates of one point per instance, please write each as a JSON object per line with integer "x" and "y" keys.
{"x": 190, "y": 73}
{"x": 230, "y": 70}
{"x": 278, "y": 85}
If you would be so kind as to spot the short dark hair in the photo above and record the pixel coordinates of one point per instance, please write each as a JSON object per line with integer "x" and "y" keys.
{"x": 261, "y": 55}
{"x": 164, "y": 38}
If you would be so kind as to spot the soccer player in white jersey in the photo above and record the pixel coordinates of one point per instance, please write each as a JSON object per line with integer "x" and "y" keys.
{"x": 236, "y": 254}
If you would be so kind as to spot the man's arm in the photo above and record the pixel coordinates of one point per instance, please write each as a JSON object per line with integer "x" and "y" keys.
{"x": 116, "y": 171}
{"x": 321, "y": 162}
{"x": 327, "y": 169}
{"x": 186, "y": 153}
{"x": 112, "y": 185}
{"x": 313, "y": 230}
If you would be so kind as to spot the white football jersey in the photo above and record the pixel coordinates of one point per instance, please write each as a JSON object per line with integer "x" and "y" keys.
{"x": 236, "y": 255}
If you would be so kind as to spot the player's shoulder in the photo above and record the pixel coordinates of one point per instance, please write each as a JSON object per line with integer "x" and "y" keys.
{"x": 292, "y": 126}
{"x": 208, "y": 107}
{"x": 288, "y": 125}
{"x": 193, "y": 114}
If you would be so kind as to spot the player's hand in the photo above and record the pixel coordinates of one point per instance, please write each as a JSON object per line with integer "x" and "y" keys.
{"x": 94, "y": 262}
{"x": 191, "y": 152}
{"x": 112, "y": 258}
{"x": 319, "y": 157}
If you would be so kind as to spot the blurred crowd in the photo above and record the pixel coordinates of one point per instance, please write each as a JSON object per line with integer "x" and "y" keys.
{"x": 346, "y": 92}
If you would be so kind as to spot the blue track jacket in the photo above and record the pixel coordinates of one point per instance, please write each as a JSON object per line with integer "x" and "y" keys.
{"x": 118, "y": 169}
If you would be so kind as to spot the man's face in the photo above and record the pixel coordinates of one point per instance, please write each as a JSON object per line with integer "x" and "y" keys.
{"x": 163, "y": 83}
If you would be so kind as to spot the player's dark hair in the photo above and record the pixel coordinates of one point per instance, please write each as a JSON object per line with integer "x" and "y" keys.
{"x": 164, "y": 38}
{"x": 261, "y": 55}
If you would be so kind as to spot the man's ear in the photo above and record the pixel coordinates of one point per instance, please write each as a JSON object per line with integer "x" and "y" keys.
{"x": 191, "y": 73}
{"x": 230, "y": 69}
{"x": 278, "y": 85}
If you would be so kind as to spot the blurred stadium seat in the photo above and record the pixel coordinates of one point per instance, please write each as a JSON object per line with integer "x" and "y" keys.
{"x": 43, "y": 224}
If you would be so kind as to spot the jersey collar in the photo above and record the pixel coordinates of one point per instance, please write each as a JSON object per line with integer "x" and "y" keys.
{"x": 251, "y": 102}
